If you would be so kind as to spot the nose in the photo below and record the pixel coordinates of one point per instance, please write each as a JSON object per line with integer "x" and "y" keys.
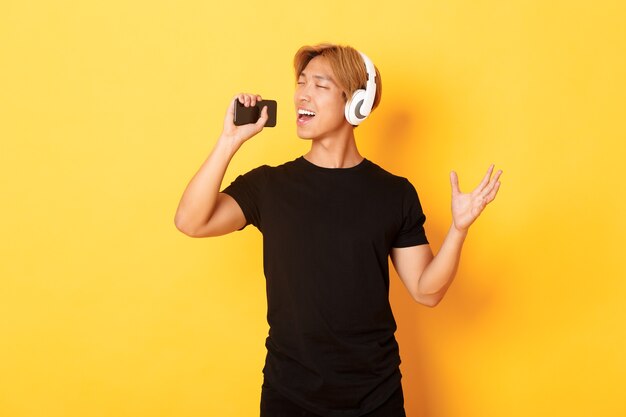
{"x": 302, "y": 93}
{"x": 304, "y": 97}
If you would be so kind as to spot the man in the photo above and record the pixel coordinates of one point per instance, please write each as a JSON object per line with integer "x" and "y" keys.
{"x": 330, "y": 219}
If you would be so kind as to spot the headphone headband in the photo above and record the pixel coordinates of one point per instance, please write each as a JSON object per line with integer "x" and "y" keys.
{"x": 370, "y": 86}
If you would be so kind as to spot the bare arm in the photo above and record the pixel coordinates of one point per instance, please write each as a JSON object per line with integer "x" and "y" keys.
{"x": 425, "y": 277}
{"x": 428, "y": 278}
{"x": 203, "y": 210}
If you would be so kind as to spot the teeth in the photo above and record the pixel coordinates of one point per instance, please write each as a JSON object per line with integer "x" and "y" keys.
{"x": 307, "y": 112}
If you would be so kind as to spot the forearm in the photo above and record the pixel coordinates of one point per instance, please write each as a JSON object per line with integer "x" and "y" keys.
{"x": 199, "y": 198}
{"x": 440, "y": 272}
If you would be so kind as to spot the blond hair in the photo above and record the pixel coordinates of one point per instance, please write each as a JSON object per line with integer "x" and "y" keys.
{"x": 346, "y": 63}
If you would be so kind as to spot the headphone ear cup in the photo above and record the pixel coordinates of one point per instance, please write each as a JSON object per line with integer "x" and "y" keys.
{"x": 353, "y": 115}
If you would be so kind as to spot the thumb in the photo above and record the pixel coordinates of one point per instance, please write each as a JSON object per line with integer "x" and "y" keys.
{"x": 262, "y": 118}
{"x": 454, "y": 181}
{"x": 230, "y": 113}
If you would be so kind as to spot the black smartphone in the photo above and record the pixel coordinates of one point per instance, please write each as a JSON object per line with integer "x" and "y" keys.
{"x": 245, "y": 115}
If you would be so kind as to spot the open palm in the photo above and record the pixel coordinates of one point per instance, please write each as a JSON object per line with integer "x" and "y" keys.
{"x": 467, "y": 207}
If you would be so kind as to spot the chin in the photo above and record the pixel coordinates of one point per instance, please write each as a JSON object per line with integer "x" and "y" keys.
{"x": 303, "y": 135}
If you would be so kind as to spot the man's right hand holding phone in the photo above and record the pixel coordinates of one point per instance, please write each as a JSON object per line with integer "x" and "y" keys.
{"x": 237, "y": 135}
{"x": 203, "y": 210}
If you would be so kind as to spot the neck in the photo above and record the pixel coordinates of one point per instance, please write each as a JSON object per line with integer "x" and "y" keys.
{"x": 335, "y": 152}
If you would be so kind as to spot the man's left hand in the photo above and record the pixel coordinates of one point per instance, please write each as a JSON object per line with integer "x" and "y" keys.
{"x": 467, "y": 207}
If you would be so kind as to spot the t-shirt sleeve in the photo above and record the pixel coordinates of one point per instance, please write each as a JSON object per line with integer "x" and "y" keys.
{"x": 248, "y": 191}
{"x": 412, "y": 232}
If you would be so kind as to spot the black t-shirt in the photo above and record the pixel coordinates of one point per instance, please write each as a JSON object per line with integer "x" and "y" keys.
{"x": 327, "y": 234}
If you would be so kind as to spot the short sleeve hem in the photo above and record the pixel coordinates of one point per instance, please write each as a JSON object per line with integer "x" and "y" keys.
{"x": 418, "y": 240}
{"x": 412, "y": 232}
{"x": 241, "y": 204}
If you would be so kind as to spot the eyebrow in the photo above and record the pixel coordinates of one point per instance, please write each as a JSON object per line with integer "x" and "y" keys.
{"x": 319, "y": 77}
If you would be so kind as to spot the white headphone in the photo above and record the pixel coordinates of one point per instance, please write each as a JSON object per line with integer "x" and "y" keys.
{"x": 360, "y": 105}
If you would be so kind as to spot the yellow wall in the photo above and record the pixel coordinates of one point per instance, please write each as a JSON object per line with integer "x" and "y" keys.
{"x": 108, "y": 108}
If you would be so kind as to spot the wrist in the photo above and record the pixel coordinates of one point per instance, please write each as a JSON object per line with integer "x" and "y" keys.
{"x": 228, "y": 144}
{"x": 459, "y": 231}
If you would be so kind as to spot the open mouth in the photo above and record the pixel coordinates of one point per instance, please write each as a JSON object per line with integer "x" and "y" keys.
{"x": 305, "y": 115}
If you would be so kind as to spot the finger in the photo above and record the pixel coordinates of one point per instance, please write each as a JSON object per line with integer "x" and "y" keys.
{"x": 490, "y": 197}
{"x": 489, "y": 188}
{"x": 485, "y": 180}
{"x": 496, "y": 178}
{"x": 454, "y": 180}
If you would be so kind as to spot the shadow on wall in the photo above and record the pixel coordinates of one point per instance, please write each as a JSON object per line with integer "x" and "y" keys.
{"x": 402, "y": 134}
